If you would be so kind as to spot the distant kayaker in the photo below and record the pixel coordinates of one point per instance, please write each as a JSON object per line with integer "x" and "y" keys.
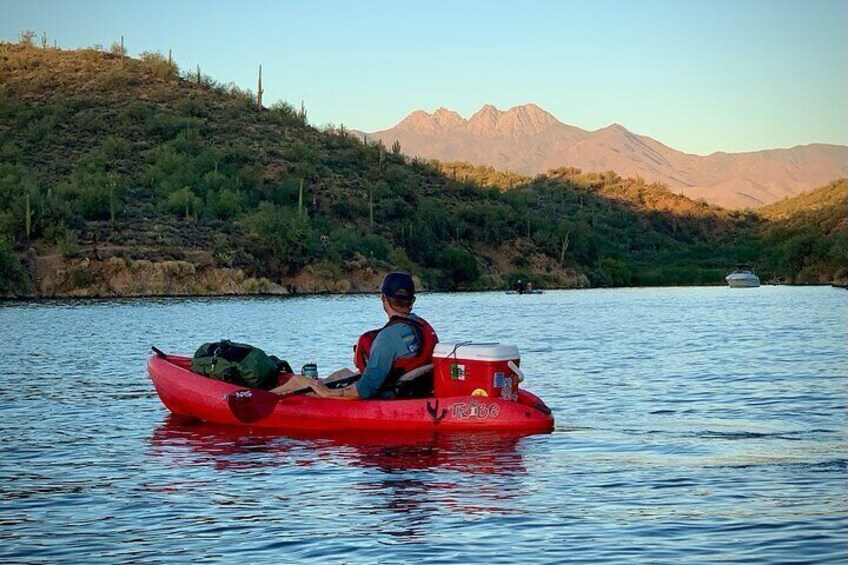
{"x": 405, "y": 343}
{"x": 520, "y": 287}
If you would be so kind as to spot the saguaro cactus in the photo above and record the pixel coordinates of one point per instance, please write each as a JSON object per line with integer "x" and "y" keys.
{"x": 371, "y": 209}
{"x": 28, "y": 213}
{"x": 259, "y": 90}
{"x": 112, "y": 186}
{"x": 564, "y": 248}
{"x": 300, "y": 199}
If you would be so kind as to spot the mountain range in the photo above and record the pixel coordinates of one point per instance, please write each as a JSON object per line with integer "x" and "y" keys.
{"x": 527, "y": 139}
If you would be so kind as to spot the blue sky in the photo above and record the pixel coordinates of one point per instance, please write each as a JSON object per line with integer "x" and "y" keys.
{"x": 699, "y": 76}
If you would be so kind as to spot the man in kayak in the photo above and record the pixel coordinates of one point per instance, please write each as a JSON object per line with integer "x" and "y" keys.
{"x": 405, "y": 343}
{"x": 520, "y": 287}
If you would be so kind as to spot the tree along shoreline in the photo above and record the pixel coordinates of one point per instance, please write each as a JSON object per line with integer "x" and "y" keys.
{"x": 96, "y": 298}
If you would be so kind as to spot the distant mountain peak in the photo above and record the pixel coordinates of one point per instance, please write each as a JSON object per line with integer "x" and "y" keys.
{"x": 530, "y": 118}
{"x": 486, "y": 113}
{"x": 519, "y": 120}
{"x": 533, "y": 110}
{"x": 416, "y": 116}
{"x": 447, "y": 118}
{"x": 420, "y": 120}
{"x": 613, "y": 128}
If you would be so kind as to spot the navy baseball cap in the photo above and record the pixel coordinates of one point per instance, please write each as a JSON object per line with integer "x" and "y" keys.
{"x": 398, "y": 285}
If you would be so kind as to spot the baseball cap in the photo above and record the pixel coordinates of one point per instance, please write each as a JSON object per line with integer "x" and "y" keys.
{"x": 398, "y": 285}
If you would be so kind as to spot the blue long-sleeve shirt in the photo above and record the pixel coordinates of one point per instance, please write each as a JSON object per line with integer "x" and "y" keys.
{"x": 393, "y": 342}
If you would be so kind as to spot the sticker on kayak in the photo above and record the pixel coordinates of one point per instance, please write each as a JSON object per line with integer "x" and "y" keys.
{"x": 499, "y": 380}
{"x": 457, "y": 372}
{"x": 474, "y": 410}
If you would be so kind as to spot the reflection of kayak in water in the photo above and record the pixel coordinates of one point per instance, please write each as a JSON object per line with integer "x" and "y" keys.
{"x": 224, "y": 446}
{"x": 525, "y": 292}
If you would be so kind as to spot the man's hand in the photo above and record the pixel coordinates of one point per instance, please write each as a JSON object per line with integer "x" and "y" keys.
{"x": 349, "y": 392}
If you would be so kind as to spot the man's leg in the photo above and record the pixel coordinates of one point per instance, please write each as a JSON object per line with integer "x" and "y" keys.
{"x": 296, "y": 382}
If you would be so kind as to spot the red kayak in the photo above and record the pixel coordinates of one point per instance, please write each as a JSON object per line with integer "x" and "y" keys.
{"x": 189, "y": 394}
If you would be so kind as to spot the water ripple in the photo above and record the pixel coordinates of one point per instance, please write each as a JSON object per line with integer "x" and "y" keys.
{"x": 694, "y": 425}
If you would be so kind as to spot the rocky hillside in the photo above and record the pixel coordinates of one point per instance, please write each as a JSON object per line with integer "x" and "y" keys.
{"x": 528, "y": 140}
{"x": 127, "y": 177}
{"x": 812, "y": 229}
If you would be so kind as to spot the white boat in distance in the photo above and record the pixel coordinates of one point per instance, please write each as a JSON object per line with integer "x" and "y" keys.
{"x": 743, "y": 277}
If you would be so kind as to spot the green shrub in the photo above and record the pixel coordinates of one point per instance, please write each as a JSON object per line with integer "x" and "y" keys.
{"x": 611, "y": 272}
{"x": 256, "y": 286}
{"x": 343, "y": 243}
{"x": 183, "y": 203}
{"x": 158, "y": 64}
{"x": 81, "y": 277}
{"x": 13, "y": 277}
{"x": 226, "y": 205}
{"x": 400, "y": 261}
{"x": 459, "y": 268}
{"x": 283, "y": 235}
{"x": 69, "y": 245}
{"x": 374, "y": 246}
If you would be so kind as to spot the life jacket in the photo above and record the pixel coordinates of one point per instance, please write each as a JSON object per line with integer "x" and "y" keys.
{"x": 427, "y": 340}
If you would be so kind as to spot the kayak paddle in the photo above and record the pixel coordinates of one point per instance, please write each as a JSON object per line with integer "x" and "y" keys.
{"x": 250, "y": 405}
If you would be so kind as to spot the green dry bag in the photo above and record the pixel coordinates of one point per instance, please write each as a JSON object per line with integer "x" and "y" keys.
{"x": 237, "y": 363}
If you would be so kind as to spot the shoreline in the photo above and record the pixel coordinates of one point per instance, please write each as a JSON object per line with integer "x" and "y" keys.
{"x": 291, "y": 295}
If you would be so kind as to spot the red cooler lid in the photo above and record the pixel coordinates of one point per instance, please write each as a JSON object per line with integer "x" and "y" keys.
{"x": 476, "y": 351}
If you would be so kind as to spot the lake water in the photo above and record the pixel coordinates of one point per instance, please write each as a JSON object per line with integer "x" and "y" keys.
{"x": 694, "y": 425}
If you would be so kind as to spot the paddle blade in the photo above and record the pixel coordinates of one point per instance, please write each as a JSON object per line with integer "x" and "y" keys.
{"x": 252, "y": 405}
